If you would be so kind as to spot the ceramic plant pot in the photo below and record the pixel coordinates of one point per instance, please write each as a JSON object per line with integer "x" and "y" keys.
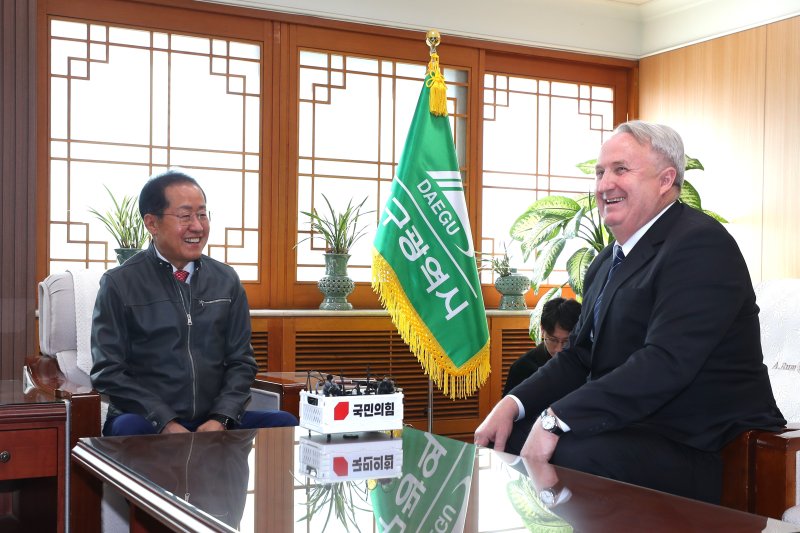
{"x": 123, "y": 254}
{"x": 512, "y": 288}
{"x": 335, "y": 285}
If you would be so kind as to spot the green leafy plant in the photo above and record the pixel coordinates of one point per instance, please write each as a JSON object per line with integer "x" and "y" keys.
{"x": 546, "y": 227}
{"x": 500, "y": 265}
{"x": 340, "y": 230}
{"x": 123, "y": 221}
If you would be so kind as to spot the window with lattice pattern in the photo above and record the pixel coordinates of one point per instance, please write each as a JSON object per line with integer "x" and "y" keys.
{"x": 126, "y": 103}
{"x": 534, "y": 133}
{"x": 354, "y": 114}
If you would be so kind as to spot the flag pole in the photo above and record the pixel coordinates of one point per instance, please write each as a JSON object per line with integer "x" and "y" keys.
{"x": 433, "y": 38}
{"x": 430, "y": 405}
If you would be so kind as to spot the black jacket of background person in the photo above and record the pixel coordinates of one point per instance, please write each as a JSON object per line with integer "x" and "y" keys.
{"x": 526, "y": 365}
{"x": 677, "y": 349}
{"x": 151, "y": 362}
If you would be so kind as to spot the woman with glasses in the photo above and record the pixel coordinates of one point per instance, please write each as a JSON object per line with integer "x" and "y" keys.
{"x": 559, "y": 316}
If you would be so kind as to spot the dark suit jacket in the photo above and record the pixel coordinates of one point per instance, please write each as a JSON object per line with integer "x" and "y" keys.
{"x": 525, "y": 366}
{"x": 677, "y": 349}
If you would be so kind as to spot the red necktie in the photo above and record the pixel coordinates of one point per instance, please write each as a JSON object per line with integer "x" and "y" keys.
{"x": 181, "y": 275}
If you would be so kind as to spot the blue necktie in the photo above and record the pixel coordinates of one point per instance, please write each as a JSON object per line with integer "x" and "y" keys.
{"x": 619, "y": 255}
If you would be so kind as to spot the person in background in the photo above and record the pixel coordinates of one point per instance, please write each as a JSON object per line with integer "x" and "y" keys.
{"x": 559, "y": 316}
{"x": 665, "y": 366}
{"x": 171, "y": 327}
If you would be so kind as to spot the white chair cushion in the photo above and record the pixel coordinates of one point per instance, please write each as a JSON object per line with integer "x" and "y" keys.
{"x": 792, "y": 514}
{"x": 68, "y": 364}
{"x": 57, "y": 314}
{"x": 779, "y": 301}
{"x": 87, "y": 283}
{"x": 66, "y": 304}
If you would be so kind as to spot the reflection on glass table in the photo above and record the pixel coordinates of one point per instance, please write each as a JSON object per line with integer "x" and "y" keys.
{"x": 287, "y": 480}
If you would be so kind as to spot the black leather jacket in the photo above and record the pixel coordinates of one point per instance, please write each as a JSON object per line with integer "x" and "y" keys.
{"x": 164, "y": 349}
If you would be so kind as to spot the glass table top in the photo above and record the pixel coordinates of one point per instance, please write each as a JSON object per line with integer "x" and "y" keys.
{"x": 14, "y": 392}
{"x": 289, "y": 480}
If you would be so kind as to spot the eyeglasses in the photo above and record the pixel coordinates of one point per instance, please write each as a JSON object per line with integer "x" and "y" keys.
{"x": 554, "y": 341}
{"x": 185, "y": 220}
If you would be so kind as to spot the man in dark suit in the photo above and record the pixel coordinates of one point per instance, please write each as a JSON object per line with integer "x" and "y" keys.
{"x": 665, "y": 365}
{"x": 559, "y": 316}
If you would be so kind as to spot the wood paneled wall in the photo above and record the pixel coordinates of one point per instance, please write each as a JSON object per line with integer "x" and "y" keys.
{"x": 17, "y": 180}
{"x": 735, "y": 102}
{"x": 781, "y": 205}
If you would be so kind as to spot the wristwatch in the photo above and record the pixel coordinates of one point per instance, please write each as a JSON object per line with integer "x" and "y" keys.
{"x": 549, "y": 496}
{"x": 550, "y": 423}
{"x": 226, "y": 421}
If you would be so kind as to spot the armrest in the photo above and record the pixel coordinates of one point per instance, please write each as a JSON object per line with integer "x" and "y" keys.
{"x": 738, "y": 472}
{"x": 47, "y": 376}
{"x": 775, "y": 474}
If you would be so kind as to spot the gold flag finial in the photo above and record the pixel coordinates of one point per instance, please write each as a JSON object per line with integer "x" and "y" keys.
{"x": 438, "y": 94}
{"x": 433, "y": 38}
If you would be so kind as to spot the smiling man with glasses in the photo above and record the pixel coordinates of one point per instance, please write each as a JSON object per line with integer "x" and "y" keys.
{"x": 171, "y": 328}
{"x": 559, "y": 316}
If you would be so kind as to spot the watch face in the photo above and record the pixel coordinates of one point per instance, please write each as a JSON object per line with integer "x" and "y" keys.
{"x": 547, "y": 496}
{"x": 548, "y": 422}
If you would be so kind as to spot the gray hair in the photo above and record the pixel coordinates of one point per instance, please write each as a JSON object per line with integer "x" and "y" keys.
{"x": 664, "y": 140}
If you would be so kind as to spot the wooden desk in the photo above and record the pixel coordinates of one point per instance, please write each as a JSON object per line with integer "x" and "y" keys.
{"x": 199, "y": 482}
{"x": 85, "y": 491}
{"x": 33, "y": 455}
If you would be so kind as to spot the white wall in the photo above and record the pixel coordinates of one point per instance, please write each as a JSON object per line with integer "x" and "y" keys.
{"x": 604, "y": 27}
{"x": 668, "y": 24}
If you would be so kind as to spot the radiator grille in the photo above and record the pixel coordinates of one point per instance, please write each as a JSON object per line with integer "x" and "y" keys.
{"x": 384, "y": 353}
{"x": 260, "y": 342}
{"x": 515, "y": 343}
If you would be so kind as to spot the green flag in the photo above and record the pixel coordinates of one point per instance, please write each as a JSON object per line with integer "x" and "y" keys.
{"x": 423, "y": 267}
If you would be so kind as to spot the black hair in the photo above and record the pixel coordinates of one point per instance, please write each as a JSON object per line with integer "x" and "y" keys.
{"x": 152, "y": 198}
{"x": 560, "y": 312}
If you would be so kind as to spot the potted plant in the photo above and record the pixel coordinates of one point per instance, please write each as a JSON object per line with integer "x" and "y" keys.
{"x": 340, "y": 232}
{"x": 125, "y": 224}
{"x": 549, "y": 223}
{"x": 511, "y": 285}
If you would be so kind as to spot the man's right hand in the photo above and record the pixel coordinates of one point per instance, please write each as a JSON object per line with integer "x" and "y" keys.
{"x": 174, "y": 427}
{"x": 497, "y": 426}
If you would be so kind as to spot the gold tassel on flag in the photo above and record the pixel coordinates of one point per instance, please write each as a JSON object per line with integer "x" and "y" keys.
{"x": 438, "y": 98}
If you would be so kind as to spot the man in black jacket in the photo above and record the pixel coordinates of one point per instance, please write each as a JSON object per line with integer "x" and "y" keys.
{"x": 559, "y": 316}
{"x": 171, "y": 327}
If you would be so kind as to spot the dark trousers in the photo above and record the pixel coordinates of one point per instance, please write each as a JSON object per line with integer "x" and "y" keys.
{"x": 637, "y": 456}
{"x": 129, "y": 424}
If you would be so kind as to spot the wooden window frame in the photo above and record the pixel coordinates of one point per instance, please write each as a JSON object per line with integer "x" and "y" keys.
{"x": 281, "y": 37}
